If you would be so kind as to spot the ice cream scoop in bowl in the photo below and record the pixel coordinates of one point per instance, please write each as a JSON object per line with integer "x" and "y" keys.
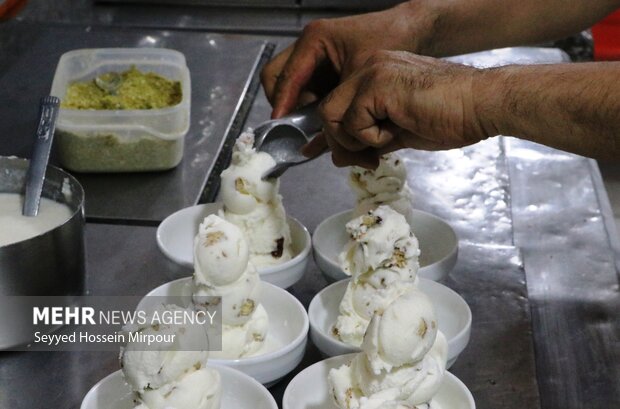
{"x": 175, "y": 238}
{"x": 311, "y": 389}
{"x": 239, "y": 391}
{"x": 453, "y": 317}
{"x": 287, "y": 334}
{"x": 438, "y": 244}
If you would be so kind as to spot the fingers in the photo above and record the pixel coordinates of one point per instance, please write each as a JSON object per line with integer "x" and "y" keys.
{"x": 367, "y": 121}
{"x": 354, "y": 118}
{"x": 285, "y": 76}
{"x": 315, "y": 147}
{"x": 333, "y": 109}
{"x": 307, "y": 54}
{"x": 270, "y": 72}
{"x": 368, "y": 158}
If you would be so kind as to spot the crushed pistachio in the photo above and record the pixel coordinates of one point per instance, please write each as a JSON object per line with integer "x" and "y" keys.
{"x": 247, "y": 308}
{"x": 214, "y": 237}
{"x": 136, "y": 90}
{"x": 109, "y": 153}
{"x": 241, "y": 186}
{"x": 357, "y": 178}
{"x": 368, "y": 221}
{"x": 399, "y": 258}
{"x": 423, "y": 328}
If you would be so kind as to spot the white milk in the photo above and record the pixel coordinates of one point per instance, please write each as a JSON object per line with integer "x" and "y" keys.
{"x": 15, "y": 227}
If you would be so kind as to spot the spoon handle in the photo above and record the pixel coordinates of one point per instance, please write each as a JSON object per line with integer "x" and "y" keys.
{"x": 307, "y": 118}
{"x": 48, "y": 112}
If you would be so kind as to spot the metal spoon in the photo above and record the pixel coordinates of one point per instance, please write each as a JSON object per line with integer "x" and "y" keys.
{"x": 109, "y": 82}
{"x": 48, "y": 112}
{"x": 283, "y": 138}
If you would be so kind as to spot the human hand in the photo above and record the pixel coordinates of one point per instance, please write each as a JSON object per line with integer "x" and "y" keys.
{"x": 399, "y": 100}
{"x": 329, "y": 50}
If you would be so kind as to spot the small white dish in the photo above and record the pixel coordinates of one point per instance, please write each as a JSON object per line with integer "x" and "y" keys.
{"x": 438, "y": 244}
{"x": 175, "y": 238}
{"x": 286, "y": 338}
{"x": 310, "y": 388}
{"x": 239, "y": 391}
{"x": 453, "y": 316}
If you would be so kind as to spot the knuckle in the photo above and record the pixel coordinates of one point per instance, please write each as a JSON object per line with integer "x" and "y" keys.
{"x": 323, "y": 109}
{"x": 314, "y": 27}
{"x": 378, "y": 57}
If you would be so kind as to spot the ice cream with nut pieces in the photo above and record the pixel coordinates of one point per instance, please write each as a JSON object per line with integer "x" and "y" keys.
{"x": 402, "y": 363}
{"x": 172, "y": 374}
{"x": 382, "y": 259}
{"x": 254, "y": 205}
{"x": 222, "y": 269}
{"x": 386, "y": 185}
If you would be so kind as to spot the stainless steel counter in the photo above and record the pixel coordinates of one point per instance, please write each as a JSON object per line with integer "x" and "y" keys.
{"x": 538, "y": 263}
{"x": 219, "y": 64}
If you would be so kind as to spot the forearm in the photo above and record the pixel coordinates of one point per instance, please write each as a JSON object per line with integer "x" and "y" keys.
{"x": 461, "y": 26}
{"x": 573, "y": 107}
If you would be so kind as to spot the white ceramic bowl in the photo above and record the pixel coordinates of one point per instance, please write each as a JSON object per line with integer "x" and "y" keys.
{"x": 453, "y": 317}
{"x": 286, "y": 339}
{"x": 175, "y": 238}
{"x": 438, "y": 244}
{"x": 310, "y": 389}
{"x": 239, "y": 391}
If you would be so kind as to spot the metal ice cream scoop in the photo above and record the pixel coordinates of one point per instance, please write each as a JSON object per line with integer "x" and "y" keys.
{"x": 283, "y": 138}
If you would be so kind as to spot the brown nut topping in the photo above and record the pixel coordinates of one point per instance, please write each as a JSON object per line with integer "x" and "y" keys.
{"x": 241, "y": 186}
{"x": 247, "y": 308}
{"x": 214, "y": 237}
{"x": 277, "y": 253}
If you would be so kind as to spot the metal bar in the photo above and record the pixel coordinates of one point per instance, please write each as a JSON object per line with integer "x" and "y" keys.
{"x": 236, "y": 125}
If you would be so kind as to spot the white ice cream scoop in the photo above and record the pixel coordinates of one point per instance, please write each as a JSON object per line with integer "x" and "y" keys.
{"x": 221, "y": 253}
{"x": 403, "y": 334}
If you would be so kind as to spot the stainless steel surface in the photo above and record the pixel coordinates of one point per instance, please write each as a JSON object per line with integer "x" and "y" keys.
{"x": 235, "y": 127}
{"x": 350, "y": 5}
{"x": 541, "y": 280}
{"x": 122, "y": 260}
{"x": 48, "y": 113}
{"x": 269, "y": 20}
{"x": 51, "y": 263}
{"x": 572, "y": 275}
{"x": 219, "y": 66}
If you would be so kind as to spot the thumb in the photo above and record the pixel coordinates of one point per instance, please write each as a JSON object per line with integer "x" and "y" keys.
{"x": 315, "y": 147}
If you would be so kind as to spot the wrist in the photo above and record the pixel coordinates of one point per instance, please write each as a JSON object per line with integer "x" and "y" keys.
{"x": 488, "y": 99}
{"x": 421, "y": 19}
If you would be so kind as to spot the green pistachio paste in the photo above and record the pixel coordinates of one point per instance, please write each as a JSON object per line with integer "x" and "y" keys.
{"x": 131, "y": 89}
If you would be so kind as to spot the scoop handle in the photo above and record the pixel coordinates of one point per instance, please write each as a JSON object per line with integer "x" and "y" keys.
{"x": 306, "y": 118}
{"x": 48, "y": 113}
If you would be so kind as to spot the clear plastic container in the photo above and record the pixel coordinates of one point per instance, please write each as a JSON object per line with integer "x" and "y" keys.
{"x": 121, "y": 140}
